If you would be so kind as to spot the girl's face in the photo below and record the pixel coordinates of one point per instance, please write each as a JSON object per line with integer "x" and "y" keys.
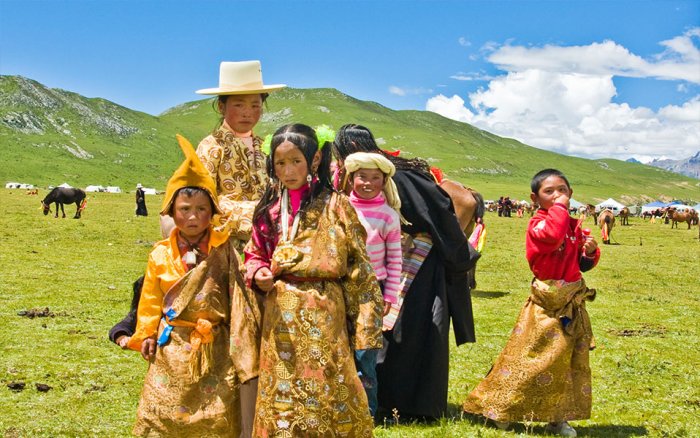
{"x": 367, "y": 183}
{"x": 242, "y": 112}
{"x": 551, "y": 189}
{"x": 192, "y": 214}
{"x": 290, "y": 165}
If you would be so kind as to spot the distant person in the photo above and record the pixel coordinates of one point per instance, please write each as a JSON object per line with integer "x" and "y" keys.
{"x": 543, "y": 372}
{"x": 413, "y": 366}
{"x": 141, "y": 209}
{"x": 377, "y": 203}
{"x": 197, "y": 352}
{"x": 124, "y": 329}
{"x": 499, "y": 206}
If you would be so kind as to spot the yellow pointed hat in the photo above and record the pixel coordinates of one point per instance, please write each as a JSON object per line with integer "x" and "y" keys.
{"x": 191, "y": 173}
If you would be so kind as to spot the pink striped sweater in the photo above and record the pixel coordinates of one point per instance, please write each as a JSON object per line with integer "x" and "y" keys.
{"x": 383, "y": 241}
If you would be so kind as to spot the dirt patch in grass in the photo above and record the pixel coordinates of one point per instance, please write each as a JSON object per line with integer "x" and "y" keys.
{"x": 36, "y": 313}
{"x": 646, "y": 330}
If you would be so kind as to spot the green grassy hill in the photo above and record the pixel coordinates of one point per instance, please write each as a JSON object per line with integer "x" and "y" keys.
{"x": 51, "y": 136}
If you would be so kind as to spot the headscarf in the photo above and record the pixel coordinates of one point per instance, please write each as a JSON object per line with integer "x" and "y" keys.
{"x": 368, "y": 160}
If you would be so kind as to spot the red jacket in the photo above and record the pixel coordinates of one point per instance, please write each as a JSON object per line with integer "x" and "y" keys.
{"x": 554, "y": 246}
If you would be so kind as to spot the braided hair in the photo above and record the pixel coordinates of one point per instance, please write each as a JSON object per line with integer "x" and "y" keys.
{"x": 304, "y": 138}
{"x": 357, "y": 138}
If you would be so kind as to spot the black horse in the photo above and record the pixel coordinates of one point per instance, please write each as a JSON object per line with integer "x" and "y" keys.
{"x": 63, "y": 195}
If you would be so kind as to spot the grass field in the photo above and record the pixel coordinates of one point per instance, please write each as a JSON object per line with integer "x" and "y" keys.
{"x": 645, "y": 319}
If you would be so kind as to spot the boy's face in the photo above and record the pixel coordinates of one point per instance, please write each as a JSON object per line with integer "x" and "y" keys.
{"x": 242, "y": 112}
{"x": 192, "y": 214}
{"x": 552, "y": 189}
{"x": 367, "y": 183}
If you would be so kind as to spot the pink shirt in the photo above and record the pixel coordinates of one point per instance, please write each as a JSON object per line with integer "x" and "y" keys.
{"x": 383, "y": 241}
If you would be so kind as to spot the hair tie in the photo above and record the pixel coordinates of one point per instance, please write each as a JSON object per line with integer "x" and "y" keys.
{"x": 324, "y": 134}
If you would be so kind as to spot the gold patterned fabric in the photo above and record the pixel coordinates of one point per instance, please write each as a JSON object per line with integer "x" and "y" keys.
{"x": 192, "y": 390}
{"x": 308, "y": 383}
{"x": 240, "y": 178}
{"x": 543, "y": 373}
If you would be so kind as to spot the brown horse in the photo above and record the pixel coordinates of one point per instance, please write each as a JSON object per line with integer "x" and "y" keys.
{"x": 590, "y": 211}
{"x": 469, "y": 206}
{"x": 606, "y": 222}
{"x": 680, "y": 216}
{"x": 624, "y": 216}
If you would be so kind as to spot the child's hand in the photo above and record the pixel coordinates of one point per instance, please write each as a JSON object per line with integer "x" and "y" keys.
{"x": 264, "y": 279}
{"x": 148, "y": 349}
{"x": 563, "y": 199}
{"x": 590, "y": 246}
{"x": 387, "y": 308}
{"x": 122, "y": 341}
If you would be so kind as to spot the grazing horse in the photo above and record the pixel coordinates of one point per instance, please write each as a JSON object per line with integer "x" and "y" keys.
{"x": 606, "y": 222}
{"x": 63, "y": 195}
{"x": 624, "y": 216}
{"x": 469, "y": 207}
{"x": 680, "y": 216}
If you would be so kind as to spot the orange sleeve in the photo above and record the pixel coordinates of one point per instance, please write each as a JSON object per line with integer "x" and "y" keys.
{"x": 150, "y": 307}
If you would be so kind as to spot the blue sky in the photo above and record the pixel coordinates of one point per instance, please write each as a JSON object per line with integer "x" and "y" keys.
{"x": 586, "y": 78}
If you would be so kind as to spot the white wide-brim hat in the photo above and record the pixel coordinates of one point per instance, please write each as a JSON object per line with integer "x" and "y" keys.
{"x": 243, "y": 77}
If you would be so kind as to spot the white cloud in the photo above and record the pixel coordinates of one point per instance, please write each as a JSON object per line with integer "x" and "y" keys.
{"x": 561, "y": 99}
{"x": 393, "y": 89}
{"x": 464, "y": 42}
{"x": 396, "y": 90}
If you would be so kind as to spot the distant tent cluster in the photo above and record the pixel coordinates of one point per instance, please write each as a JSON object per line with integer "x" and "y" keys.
{"x": 678, "y": 205}
{"x": 16, "y": 185}
{"x": 91, "y": 188}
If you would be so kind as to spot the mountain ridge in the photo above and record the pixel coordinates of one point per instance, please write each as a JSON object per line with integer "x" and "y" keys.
{"x": 53, "y": 135}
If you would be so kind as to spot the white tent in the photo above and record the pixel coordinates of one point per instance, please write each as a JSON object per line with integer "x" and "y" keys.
{"x": 575, "y": 204}
{"x": 113, "y": 189}
{"x": 66, "y": 185}
{"x": 610, "y": 204}
{"x": 94, "y": 189}
{"x": 149, "y": 191}
{"x": 12, "y": 185}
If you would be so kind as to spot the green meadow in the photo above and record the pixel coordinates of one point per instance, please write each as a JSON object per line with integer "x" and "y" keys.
{"x": 645, "y": 319}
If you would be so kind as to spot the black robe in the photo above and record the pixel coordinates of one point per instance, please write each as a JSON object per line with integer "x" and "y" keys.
{"x": 141, "y": 209}
{"x": 413, "y": 366}
{"x": 127, "y": 326}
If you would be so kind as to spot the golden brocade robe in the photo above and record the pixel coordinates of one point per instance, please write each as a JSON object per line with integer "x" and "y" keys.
{"x": 240, "y": 178}
{"x": 191, "y": 391}
{"x": 308, "y": 382}
{"x": 543, "y": 373}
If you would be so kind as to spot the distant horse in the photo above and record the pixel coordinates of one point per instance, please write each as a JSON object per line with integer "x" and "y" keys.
{"x": 680, "y": 216}
{"x": 606, "y": 222}
{"x": 590, "y": 211}
{"x": 63, "y": 195}
{"x": 624, "y": 216}
{"x": 469, "y": 207}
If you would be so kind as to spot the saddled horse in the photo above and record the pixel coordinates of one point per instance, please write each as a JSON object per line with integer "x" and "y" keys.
{"x": 624, "y": 216}
{"x": 469, "y": 207}
{"x": 680, "y": 216}
{"x": 64, "y": 195}
{"x": 606, "y": 222}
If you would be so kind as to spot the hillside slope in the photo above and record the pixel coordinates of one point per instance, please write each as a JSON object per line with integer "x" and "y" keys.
{"x": 50, "y": 136}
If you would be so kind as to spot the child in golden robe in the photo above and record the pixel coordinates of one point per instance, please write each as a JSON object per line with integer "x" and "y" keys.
{"x": 198, "y": 352}
{"x": 543, "y": 373}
